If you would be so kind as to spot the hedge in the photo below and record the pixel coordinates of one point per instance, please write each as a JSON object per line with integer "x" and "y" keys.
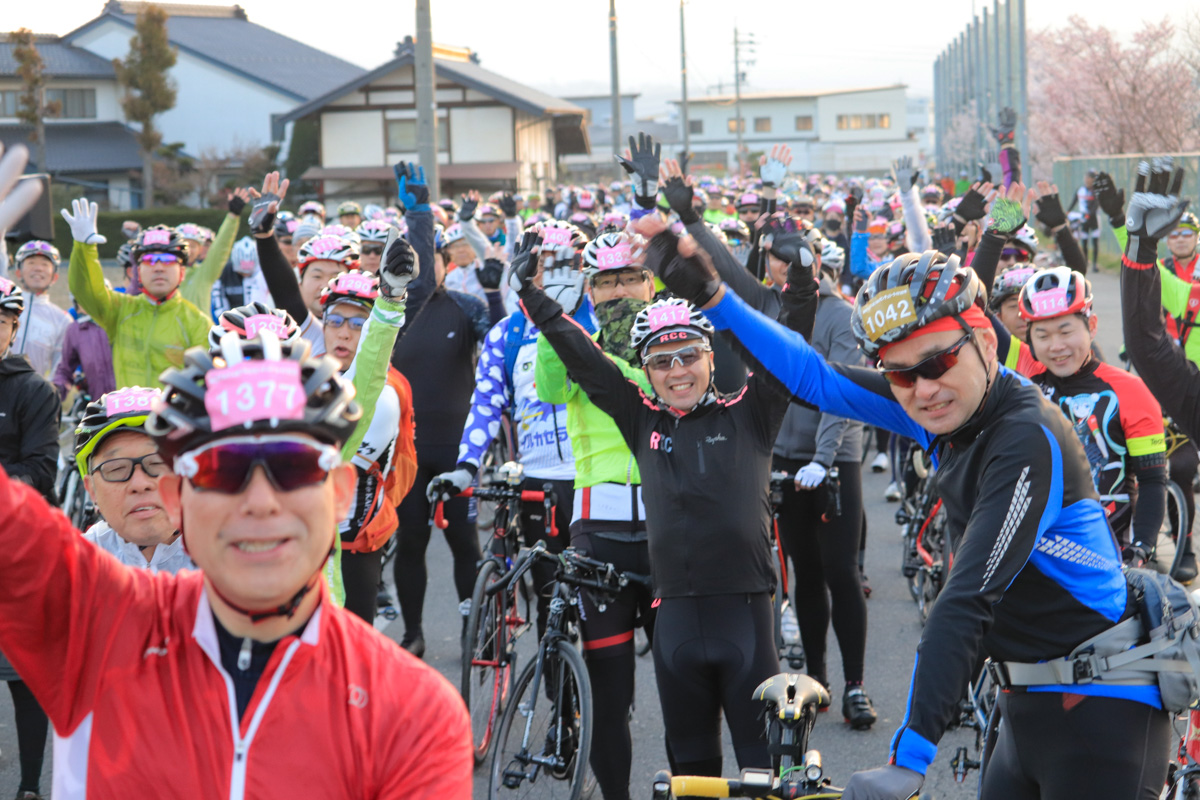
{"x": 109, "y": 225}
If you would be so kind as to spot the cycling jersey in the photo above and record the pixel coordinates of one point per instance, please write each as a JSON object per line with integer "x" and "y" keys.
{"x": 233, "y": 289}
{"x": 166, "y": 557}
{"x": 29, "y": 415}
{"x": 147, "y": 335}
{"x": 372, "y": 465}
{"x": 85, "y": 347}
{"x": 1026, "y": 529}
{"x": 339, "y": 711}
{"x": 40, "y": 332}
{"x": 198, "y": 280}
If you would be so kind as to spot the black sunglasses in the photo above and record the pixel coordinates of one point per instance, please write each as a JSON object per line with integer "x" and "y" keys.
{"x": 931, "y": 368}
{"x": 372, "y": 250}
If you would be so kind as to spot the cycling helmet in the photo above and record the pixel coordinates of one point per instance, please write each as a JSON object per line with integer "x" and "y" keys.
{"x": 1055, "y": 292}
{"x": 451, "y": 235}
{"x": 11, "y": 297}
{"x": 1008, "y": 284}
{"x": 121, "y": 409}
{"x": 749, "y": 200}
{"x": 357, "y": 287}
{"x": 585, "y": 200}
{"x": 374, "y": 230}
{"x": 183, "y": 418}
{"x": 585, "y": 223}
{"x": 448, "y": 206}
{"x": 734, "y": 228}
{"x": 191, "y": 231}
{"x": 835, "y": 207}
{"x": 286, "y": 224}
{"x": 575, "y": 236}
{"x": 666, "y": 320}
{"x": 311, "y": 207}
{"x": 337, "y": 229}
{"x": 614, "y": 222}
{"x": 327, "y": 247}
{"x": 349, "y": 207}
{"x": 244, "y": 256}
{"x": 125, "y": 255}
{"x": 486, "y": 210}
{"x": 932, "y": 195}
{"x": 246, "y": 321}
{"x": 38, "y": 248}
{"x": 1189, "y": 221}
{"x": 833, "y": 257}
{"x": 610, "y": 251}
{"x": 537, "y": 218}
{"x": 160, "y": 239}
{"x": 1026, "y": 239}
{"x": 373, "y": 211}
{"x": 716, "y": 231}
{"x": 933, "y": 287}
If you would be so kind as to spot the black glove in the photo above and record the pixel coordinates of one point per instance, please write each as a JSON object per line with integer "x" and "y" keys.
{"x": 788, "y": 243}
{"x": 1154, "y": 210}
{"x": 467, "y": 210}
{"x": 601, "y": 197}
{"x": 642, "y": 166}
{"x": 852, "y": 203}
{"x": 944, "y": 239}
{"x": 490, "y": 273}
{"x": 525, "y": 262}
{"x": 973, "y": 206}
{"x": 399, "y": 267}
{"x": 1050, "y": 212}
{"x": 694, "y": 279}
{"x": 985, "y": 174}
{"x": 1006, "y": 130}
{"x": 508, "y": 205}
{"x": 262, "y": 221}
{"x": 236, "y": 205}
{"x": 857, "y": 193}
{"x": 1110, "y": 198}
{"x": 680, "y": 196}
{"x": 800, "y": 279}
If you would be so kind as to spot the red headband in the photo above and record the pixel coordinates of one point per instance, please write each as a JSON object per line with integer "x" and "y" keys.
{"x": 973, "y": 317}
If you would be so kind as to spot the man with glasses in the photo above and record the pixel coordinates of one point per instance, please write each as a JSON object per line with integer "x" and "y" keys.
{"x": 149, "y": 331}
{"x": 120, "y": 465}
{"x": 1037, "y": 571}
{"x": 283, "y": 692}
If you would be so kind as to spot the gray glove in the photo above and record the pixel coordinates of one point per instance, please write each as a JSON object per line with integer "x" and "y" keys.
{"x": 885, "y": 783}
{"x": 448, "y": 484}
{"x": 905, "y": 173}
{"x": 564, "y": 285}
{"x": 1154, "y": 210}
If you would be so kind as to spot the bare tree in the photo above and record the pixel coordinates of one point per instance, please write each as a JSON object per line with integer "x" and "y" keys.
{"x": 33, "y": 108}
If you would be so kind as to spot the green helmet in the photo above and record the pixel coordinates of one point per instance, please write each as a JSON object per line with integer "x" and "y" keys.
{"x": 123, "y": 408}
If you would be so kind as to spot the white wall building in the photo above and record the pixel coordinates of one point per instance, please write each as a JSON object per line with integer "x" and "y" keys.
{"x": 857, "y": 131}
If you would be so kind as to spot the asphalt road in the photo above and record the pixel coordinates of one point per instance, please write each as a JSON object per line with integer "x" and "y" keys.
{"x": 894, "y": 629}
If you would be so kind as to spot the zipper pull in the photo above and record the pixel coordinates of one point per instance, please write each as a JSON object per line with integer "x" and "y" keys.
{"x": 243, "y": 661}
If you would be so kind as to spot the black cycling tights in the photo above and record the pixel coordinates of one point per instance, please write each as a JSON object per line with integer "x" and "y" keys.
{"x": 1182, "y": 468}
{"x": 461, "y": 536}
{"x": 710, "y": 654}
{"x": 32, "y": 728}
{"x": 360, "y": 579}
{"x": 825, "y": 562}
{"x": 1054, "y": 746}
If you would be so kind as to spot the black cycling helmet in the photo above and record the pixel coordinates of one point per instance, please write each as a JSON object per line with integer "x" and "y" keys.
{"x": 932, "y": 287}
{"x": 181, "y": 421}
{"x": 123, "y": 409}
{"x": 1008, "y": 284}
{"x": 11, "y": 297}
{"x": 246, "y": 321}
{"x": 125, "y": 255}
{"x": 160, "y": 239}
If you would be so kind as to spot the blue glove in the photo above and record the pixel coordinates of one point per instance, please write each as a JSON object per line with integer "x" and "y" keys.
{"x": 411, "y": 187}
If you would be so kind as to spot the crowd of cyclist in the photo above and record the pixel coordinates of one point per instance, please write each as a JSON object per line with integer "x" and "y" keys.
{"x": 653, "y": 349}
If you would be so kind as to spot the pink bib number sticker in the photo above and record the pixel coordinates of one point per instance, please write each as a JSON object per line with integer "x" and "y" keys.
{"x": 252, "y": 391}
{"x": 269, "y": 322}
{"x": 156, "y": 237}
{"x": 6, "y": 285}
{"x": 669, "y": 315}
{"x": 556, "y": 236}
{"x": 614, "y": 257}
{"x": 1018, "y": 276}
{"x": 323, "y": 245}
{"x": 354, "y": 284}
{"x": 1049, "y": 302}
{"x": 127, "y": 401}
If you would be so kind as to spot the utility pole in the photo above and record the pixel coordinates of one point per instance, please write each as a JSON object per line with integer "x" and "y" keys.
{"x": 738, "y": 77}
{"x": 427, "y": 149}
{"x": 616, "y": 83}
{"x": 687, "y": 134}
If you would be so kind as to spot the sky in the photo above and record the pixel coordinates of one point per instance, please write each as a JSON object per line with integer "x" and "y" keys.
{"x": 562, "y": 47}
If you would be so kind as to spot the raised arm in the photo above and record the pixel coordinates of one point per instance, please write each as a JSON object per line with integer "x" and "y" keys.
{"x": 277, "y": 271}
{"x": 466, "y": 218}
{"x": 1050, "y": 214}
{"x": 414, "y": 193}
{"x": 907, "y": 175}
{"x": 85, "y": 278}
{"x": 198, "y": 283}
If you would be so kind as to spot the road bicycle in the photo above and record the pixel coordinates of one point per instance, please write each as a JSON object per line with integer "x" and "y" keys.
{"x": 73, "y": 497}
{"x": 923, "y": 559}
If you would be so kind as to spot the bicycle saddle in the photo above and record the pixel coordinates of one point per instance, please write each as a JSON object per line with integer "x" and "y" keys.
{"x": 789, "y": 694}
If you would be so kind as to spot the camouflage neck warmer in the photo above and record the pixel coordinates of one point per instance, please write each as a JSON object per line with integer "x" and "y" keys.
{"x": 616, "y": 321}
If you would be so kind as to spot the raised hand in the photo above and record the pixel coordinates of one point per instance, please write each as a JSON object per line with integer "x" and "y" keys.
{"x": 973, "y": 206}
{"x": 470, "y": 202}
{"x": 1006, "y": 129}
{"x": 492, "y": 271}
{"x": 508, "y": 205}
{"x": 411, "y": 187}
{"x": 943, "y": 238}
{"x": 1010, "y": 209}
{"x": 641, "y": 161}
{"x": 83, "y": 222}
{"x": 266, "y": 204}
{"x": 905, "y": 173}
{"x": 1049, "y": 207}
{"x": 237, "y": 200}
{"x": 1110, "y": 198}
{"x": 1155, "y": 208}
{"x": 525, "y": 261}
{"x": 773, "y": 168}
{"x": 15, "y": 202}
{"x": 399, "y": 266}
{"x": 678, "y": 190}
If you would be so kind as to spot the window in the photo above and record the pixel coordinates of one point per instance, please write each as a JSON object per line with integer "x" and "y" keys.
{"x": 402, "y": 136}
{"x": 733, "y": 125}
{"x": 842, "y": 123}
{"x": 75, "y": 103}
{"x": 10, "y": 101}
{"x": 855, "y": 122}
{"x": 869, "y": 121}
{"x": 885, "y": 120}
{"x": 696, "y": 126}
{"x": 762, "y": 124}
{"x": 805, "y": 123}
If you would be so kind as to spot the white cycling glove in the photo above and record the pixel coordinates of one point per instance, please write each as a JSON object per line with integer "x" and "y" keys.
{"x": 448, "y": 484}
{"x": 773, "y": 172}
{"x": 564, "y": 285}
{"x": 810, "y": 476}
{"x": 83, "y": 222}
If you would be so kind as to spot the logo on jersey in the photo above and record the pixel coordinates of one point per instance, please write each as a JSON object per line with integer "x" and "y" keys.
{"x": 660, "y": 442}
{"x": 358, "y": 696}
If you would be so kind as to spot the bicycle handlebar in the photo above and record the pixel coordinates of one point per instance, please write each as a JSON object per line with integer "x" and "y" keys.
{"x": 668, "y": 787}
{"x": 502, "y": 493}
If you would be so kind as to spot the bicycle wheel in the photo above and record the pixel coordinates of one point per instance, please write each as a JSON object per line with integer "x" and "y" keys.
{"x": 1175, "y": 523}
{"x": 486, "y": 671}
{"x": 545, "y": 735}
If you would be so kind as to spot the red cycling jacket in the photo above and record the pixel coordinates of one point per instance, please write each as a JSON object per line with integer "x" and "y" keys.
{"x": 127, "y": 666}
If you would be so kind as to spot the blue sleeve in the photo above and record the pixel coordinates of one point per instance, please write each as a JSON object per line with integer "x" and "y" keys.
{"x": 861, "y": 265}
{"x": 491, "y": 397}
{"x": 420, "y": 236}
{"x": 846, "y": 391}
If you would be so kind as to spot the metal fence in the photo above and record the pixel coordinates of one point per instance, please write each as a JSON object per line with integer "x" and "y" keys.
{"x": 1069, "y": 173}
{"x": 982, "y": 71}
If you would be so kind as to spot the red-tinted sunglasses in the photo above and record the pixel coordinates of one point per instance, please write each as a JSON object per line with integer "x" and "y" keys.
{"x": 930, "y": 368}
{"x": 226, "y": 465}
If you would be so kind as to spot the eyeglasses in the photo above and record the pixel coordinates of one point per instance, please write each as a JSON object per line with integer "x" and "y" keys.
{"x": 372, "y": 249}
{"x": 686, "y": 356}
{"x": 1182, "y": 233}
{"x": 337, "y": 321}
{"x": 629, "y": 280}
{"x": 285, "y": 240}
{"x": 226, "y": 465}
{"x": 160, "y": 258}
{"x": 930, "y": 368}
{"x": 120, "y": 470}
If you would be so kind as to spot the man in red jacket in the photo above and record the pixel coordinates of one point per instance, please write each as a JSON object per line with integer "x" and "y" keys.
{"x": 241, "y": 680}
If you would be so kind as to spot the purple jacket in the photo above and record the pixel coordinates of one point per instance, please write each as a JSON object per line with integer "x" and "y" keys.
{"x": 85, "y": 345}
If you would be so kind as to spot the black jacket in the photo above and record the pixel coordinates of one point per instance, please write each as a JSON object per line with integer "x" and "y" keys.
{"x": 29, "y": 417}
